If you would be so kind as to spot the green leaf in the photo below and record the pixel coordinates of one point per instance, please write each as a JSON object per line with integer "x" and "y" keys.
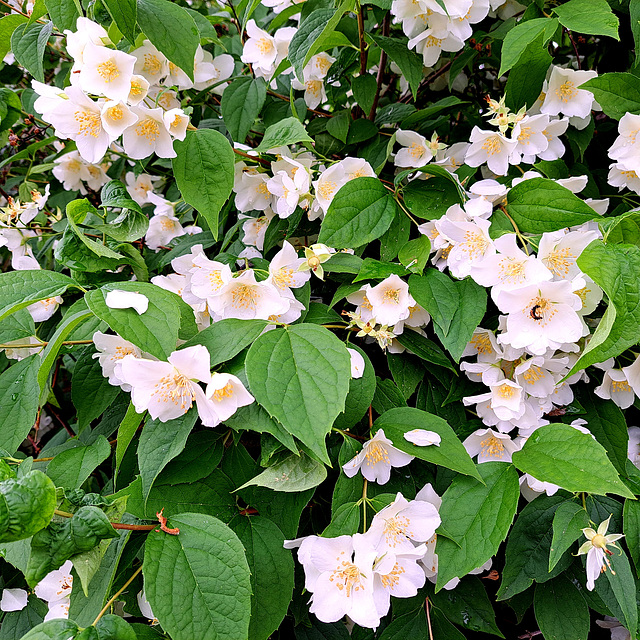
{"x": 518, "y": 38}
{"x": 63, "y": 13}
{"x": 283, "y": 133}
{"x": 198, "y": 582}
{"x": 294, "y": 473}
{"x": 561, "y": 611}
{"x": 160, "y": 442}
{"x": 425, "y": 349}
{"x": 72, "y": 467}
{"x": 271, "y": 568}
{"x": 450, "y": 454}
{"x": 614, "y": 268}
{"x": 241, "y": 104}
{"x": 125, "y": 14}
{"x": 431, "y": 198}
{"x": 594, "y": 17}
{"x": 468, "y": 606}
{"x": 19, "y": 289}
{"x": 300, "y": 375}
{"x": 624, "y": 229}
{"x": 528, "y": 547}
{"x": 90, "y": 390}
{"x": 8, "y": 25}
{"x": 617, "y": 93}
{"x": 407, "y": 372}
{"x": 526, "y": 79}
{"x": 126, "y": 431}
{"x": 313, "y": 33}
{"x": 631, "y": 515}
{"x": 459, "y": 305}
{"x": 345, "y": 521}
{"x": 410, "y": 625}
{"x": 77, "y": 211}
{"x": 203, "y": 168}
{"x": 623, "y": 586}
{"x": 568, "y": 522}
{"x": 254, "y": 418}
{"x": 387, "y": 396}
{"x": 53, "y": 546}
{"x": 606, "y": 422}
{"x": 19, "y": 401}
{"x": 155, "y": 331}
{"x": 59, "y": 629}
{"x": 172, "y": 30}
{"x": 477, "y": 517}
{"x": 540, "y": 205}
{"x": 360, "y": 396}
{"x": 26, "y": 505}
{"x": 361, "y": 211}
{"x": 112, "y": 627}
{"x": 415, "y": 254}
{"x": 549, "y": 456}
{"x": 409, "y": 62}
{"x": 28, "y": 43}
{"x": 338, "y": 126}
{"x": 364, "y": 90}
{"x": 16, "y": 624}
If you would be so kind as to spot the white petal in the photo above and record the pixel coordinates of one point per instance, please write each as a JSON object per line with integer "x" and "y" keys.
{"x": 118, "y": 299}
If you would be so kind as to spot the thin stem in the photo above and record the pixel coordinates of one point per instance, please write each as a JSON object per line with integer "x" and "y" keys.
{"x": 381, "y": 67}
{"x": 364, "y": 505}
{"x": 115, "y": 525}
{"x": 117, "y": 593}
{"x": 362, "y": 43}
{"x": 286, "y": 99}
{"x": 427, "y": 607}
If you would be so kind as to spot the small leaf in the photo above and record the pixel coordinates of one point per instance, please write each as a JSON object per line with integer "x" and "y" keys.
{"x": 294, "y": 473}
{"x": 72, "y": 467}
{"x": 8, "y": 24}
{"x": 568, "y": 522}
{"x": 593, "y": 17}
{"x": 409, "y": 62}
{"x": 28, "y": 43}
{"x": 561, "y": 611}
{"x": 125, "y": 14}
{"x": 283, "y": 133}
{"x": 241, "y": 104}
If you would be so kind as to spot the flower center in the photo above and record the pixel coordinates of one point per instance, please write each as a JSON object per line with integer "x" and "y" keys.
{"x": 566, "y": 91}
{"x": 152, "y": 65}
{"x": 148, "y": 129}
{"x": 492, "y": 447}
{"x": 244, "y": 296}
{"x": 492, "y": 145}
{"x": 225, "y": 392}
{"x": 89, "y": 123}
{"x": 599, "y": 541}
{"x": 177, "y": 389}
{"x": 376, "y": 453}
{"x": 108, "y": 70}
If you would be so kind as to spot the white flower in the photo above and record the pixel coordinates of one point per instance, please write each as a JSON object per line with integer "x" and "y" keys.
{"x": 596, "y": 549}
{"x": 140, "y": 186}
{"x": 111, "y": 349}
{"x": 315, "y": 255}
{"x": 430, "y": 46}
{"x": 330, "y": 181}
{"x": 563, "y": 95}
{"x": 55, "y": 589}
{"x": 148, "y": 135}
{"x": 621, "y": 177}
{"x": 284, "y": 269}
{"x": 618, "y": 632}
{"x": 118, "y": 299}
{"x": 615, "y": 387}
{"x": 633, "y": 447}
{"x": 176, "y": 122}
{"x": 530, "y": 137}
{"x": 150, "y": 63}
{"x": 168, "y": 389}
{"x": 490, "y": 147}
{"x": 116, "y": 117}
{"x": 490, "y": 445}
{"x": 162, "y": 230}
{"x": 555, "y": 149}
{"x": 390, "y": 300}
{"x": 375, "y": 460}
{"x": 357, "y": 363}
{"x": 531, "y": 488}
{"x": 260, "y": 49}
{"x": 139, "y": 90}
{"x": 422, "y": 437}
{"x": 87, "y": 32}
{"x": 106, "y": 72}
{"x": 145, "y": 607}
{"x": 227, "y": 393}
{"x": 250, "y": 188}
{"x": 415, "y": 150}
{"x": 14, "y": 353}
{"x": 44, "y": 309}
{"x": 13, "y": 600}
{"x": 560, "y": 250}
{"x": 471, "y": 244}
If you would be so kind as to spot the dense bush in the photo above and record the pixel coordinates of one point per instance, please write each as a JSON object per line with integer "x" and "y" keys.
{"x": 318, "y": 320}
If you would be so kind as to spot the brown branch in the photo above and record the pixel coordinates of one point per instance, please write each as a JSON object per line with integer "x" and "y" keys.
{"x": 363, "y": 46}
{"x": 381, "y": 67}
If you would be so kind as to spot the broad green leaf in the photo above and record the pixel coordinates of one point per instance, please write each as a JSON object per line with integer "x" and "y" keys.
{"x": 526, "y": 78}
{"x": 160, "y": 442}
{"x": 53, "y": 546}
{"x": 344, "y": 522}
{"x": 198, "y": 582}
{"x": 125, "y": 14}
{"x": 300, "y": 375}
{"x": 19, "y": 289}
{"x": 414, "y": 255}
{"x": 203, "y": 169}
{"x": 360, "y": 212}
{"x": 477, "y": 516}
{"x": 430, "y": 199}
{"x": 617, "y": 93}
{"x": 518, "y": 38}
{"x": 458, "y": 305}
{"x": 568, "y": 522}
{"x": 17, "y": 326}
{"x": 371, "y": 269}
{"x": 614, "y": 268}
{"x": 19, "y": 401}
{"x": 606, "y": 422}
{"x": 26, "y": 505}
{"x": 442, "y": 628}
{"x": 450, "y": 454}
{"x": 624, "y": 229}
{"x": 155, "y": 331}
{"x": 561, "y": 611}
{"x": 172, "y": 30}
{"x": 59, "y": 629}
{"x": 253, "y": 417}
{"x": 112, "y": 627}
{"x": 634, "y": 16}
{"x": 90, "y": 390}
{"x": 407, "y": 372}
{"x": 468, "y": 606}
{"x": 425, "y": 349}
{"x": 410, "y": 625}
{"x": 126, "y": 431}
{"x": 16, "y": 624}
{"x": 528, "y": 547}
{"x": 28, "y": 43}
{"x": 8, "y": 25}
{"x": 409, "y": 62}
{"x": 364, "y": 91}
{"x": 271, "y": 568}
{"x": 227, "y": 338}
{"x": 63, "y": 13}
{"x": 594, "y": 17}
{"x": 128, "y": 226}
{"x": 72, "y": 467}
{"x": 631, "y": 516}
{"x": 283, "y": 133}
{"x": 294, "y": 473}
{"x": 540, "y": 205}
{"x": 623, "y": 586}
{"x": 241, "y": 104}
{"x": 549, "y": 456}
{"x": 387, "y": 396}
{"x": 313, "y": 33}
{"x": 361, "y": 391}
